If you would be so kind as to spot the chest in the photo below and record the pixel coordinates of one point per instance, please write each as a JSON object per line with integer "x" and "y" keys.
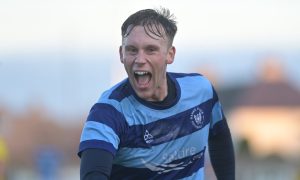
{"x": 148, "y": 127}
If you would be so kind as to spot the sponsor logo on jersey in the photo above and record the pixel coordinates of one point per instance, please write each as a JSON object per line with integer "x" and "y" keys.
{"x": 148, "y": 137}
{"x": 197, "y": 117}
{"x": 179, "y": 154}
{"x": 173, "y": 165}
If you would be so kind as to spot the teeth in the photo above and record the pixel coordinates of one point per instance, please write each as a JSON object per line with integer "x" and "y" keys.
{"x": 140, "y": 73}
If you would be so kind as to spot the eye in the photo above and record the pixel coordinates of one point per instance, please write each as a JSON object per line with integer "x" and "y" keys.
{"x": 131, "y": 50}
{"x": 151, "y": 49}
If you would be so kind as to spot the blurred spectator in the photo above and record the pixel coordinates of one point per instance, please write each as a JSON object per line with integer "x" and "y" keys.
{"x": 48, "y": 160}
{"x": 3, "y": 159}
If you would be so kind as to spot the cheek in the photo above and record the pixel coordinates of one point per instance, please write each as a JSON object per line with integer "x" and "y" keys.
{"x": 127, "y": 64}
{"x": 162, "y": 62}
{"x": 160, "y": 67}
{"x": 126, "y": 60}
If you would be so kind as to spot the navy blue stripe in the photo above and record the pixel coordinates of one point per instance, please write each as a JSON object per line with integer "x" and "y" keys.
{"x": 168, "y": 129}
{"x": 180, "y": 75}
{"x": 121, "y": 92}
{"x": 108, "y": 115}
{"x": 96, "y": 144}
{"x": 189, "y": 166}
{"x": 215, "y": 96}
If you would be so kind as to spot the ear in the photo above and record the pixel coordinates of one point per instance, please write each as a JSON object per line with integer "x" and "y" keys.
{"x": 171, "y": 55}
{"x": 121, "y": 54}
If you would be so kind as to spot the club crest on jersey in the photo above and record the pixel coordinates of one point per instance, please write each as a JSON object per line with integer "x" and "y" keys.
{"x": 197, "y": 117}
{"x": 148, "y": 137}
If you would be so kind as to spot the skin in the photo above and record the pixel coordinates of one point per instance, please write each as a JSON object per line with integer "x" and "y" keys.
{"x": 142, "y": 53}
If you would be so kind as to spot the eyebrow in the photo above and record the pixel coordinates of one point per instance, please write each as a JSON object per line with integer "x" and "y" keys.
{"x": 129, "y": 46}
{"x": 152, "y": 46}
{"x": 144, "y": 47}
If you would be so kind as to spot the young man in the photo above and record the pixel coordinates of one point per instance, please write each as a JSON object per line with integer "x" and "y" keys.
{"x": 155, "y": 124}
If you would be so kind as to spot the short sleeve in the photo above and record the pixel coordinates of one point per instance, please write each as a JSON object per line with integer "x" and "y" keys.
{"x": 102, "y": 129}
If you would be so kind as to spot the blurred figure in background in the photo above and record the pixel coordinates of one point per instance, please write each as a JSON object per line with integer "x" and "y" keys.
{"x": 48, "y": 161}
{"x": 3, "y": 159}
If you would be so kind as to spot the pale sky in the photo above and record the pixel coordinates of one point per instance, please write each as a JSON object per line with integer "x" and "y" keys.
{"x": 64, "y": 53}
{"x": 88, "y": 25}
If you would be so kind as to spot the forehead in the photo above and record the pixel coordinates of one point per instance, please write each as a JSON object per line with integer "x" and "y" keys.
{"x": 138, "y": 34}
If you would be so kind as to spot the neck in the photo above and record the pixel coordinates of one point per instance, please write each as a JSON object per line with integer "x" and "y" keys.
{"x": 170, "y": 98}
{"x": 162, "y": 91}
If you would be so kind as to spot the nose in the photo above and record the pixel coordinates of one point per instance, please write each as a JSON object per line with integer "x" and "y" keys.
{"x": 140, "y": 58}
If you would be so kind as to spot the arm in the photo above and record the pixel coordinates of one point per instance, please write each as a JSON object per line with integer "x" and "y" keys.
{"x": 221, "y": 152}
{"x": 95, "y": 164}
{"x": 99, "y": 141}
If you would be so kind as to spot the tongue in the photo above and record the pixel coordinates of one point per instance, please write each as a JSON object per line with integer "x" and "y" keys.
{"x": 143, "y": 80}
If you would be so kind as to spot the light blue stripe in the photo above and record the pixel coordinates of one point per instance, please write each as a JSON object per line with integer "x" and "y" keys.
{"x": 199, "y": 175}
{"x": 94, "y": 130}
{"x": 216, "y": 113}
{"x": 164, "y": 153}
{"x": 194, "y": 91}
{"x": 195, "y": 87}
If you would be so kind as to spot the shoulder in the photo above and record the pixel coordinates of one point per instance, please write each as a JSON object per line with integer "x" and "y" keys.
{"x": 115, "y": 98}
{"x": 194, "y": 80}
{"x": 193, "y": 86}
{"x": 116, "y": 93}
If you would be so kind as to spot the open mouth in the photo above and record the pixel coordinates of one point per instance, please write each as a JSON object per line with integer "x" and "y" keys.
{"x": 142, "y": 77}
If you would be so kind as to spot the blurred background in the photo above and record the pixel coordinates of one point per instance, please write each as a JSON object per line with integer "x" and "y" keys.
{"x": 58, "y": 56}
